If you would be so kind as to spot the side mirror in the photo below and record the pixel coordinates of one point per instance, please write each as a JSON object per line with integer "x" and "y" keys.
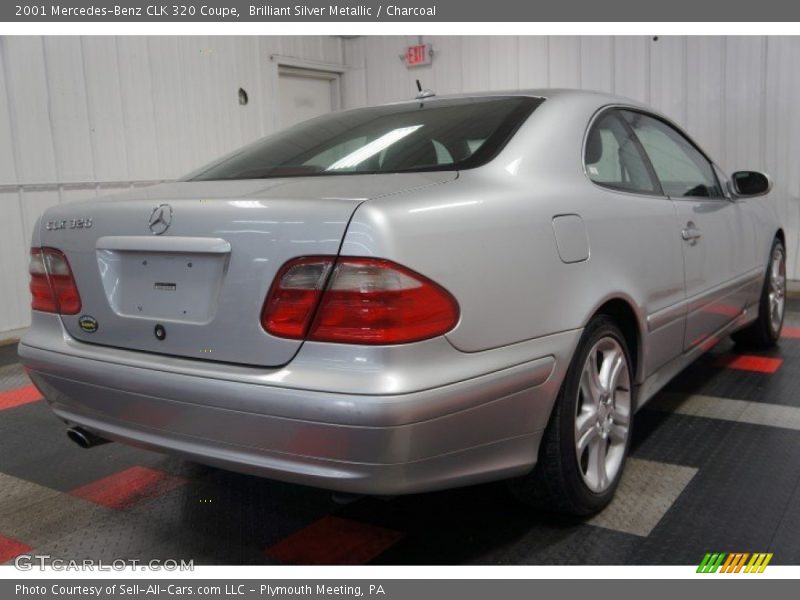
{"x": 746, "y": 184}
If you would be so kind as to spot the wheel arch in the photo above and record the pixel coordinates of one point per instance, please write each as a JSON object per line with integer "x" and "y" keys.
{"x": 621, "y": 310}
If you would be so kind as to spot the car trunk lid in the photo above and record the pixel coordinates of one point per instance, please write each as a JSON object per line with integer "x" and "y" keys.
{"x": 183, "y": 269}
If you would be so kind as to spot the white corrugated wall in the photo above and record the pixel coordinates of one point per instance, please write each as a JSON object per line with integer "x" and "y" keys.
{"x": 82, "y": 116}
{"x": 86, "y": 115}
{"x": 737, "y": 96}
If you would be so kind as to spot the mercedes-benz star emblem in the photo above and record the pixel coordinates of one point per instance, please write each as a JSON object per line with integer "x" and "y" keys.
{"x": 160, "y": 219}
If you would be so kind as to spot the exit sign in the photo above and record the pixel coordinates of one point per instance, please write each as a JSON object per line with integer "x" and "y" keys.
{"x": 418, "y": 55}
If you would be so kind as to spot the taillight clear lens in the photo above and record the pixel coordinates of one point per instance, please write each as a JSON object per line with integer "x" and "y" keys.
{"x": 294, "y": 296}
{"x": 366, "y": 301}
{"x": 53, "y": 287}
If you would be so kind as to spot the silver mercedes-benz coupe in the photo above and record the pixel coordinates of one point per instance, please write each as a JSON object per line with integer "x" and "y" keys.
{"x": 408, "y": 297}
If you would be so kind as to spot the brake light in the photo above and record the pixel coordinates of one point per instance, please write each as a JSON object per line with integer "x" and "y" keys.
{"x": 361, "y": 301}
{"x": 53, "y": 287}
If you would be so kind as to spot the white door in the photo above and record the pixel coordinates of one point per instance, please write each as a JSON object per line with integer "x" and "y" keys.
{"x": 304, "y": 94}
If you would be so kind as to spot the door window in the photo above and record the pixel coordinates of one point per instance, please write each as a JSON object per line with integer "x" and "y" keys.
{"x": 681, "y": 168}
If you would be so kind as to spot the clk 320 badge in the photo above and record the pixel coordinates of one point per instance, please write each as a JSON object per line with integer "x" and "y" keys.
{"x": 77, "y": 223}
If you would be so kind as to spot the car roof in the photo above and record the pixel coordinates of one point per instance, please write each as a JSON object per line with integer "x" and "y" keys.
{"x": 597, "y": 97}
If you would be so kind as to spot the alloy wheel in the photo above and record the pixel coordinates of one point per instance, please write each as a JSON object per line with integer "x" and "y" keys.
{"x": 777, "y": 288}
{"x": 603, "y": 414}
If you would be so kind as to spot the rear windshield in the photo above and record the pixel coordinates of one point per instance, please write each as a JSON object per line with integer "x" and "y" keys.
{"x": 434, "y": 135}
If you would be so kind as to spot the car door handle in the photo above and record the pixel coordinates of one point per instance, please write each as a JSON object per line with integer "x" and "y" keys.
{"x": 691, "y": 233}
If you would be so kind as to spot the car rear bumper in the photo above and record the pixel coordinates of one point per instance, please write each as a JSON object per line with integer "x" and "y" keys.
{"x": 473, "y": 430}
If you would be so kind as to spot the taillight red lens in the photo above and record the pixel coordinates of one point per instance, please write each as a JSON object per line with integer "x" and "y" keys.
{"x": 373, "y": 301}
{"x": 53, "y": 287}
{"x": 366, "y": 301}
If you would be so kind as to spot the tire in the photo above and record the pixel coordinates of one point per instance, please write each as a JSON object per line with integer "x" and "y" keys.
{"x": 566, "y": 479}
{"x": 765, "y": 331}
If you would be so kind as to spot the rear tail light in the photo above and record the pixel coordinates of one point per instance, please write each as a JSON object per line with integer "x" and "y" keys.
{"x": 373, "y": 301}
{"x": 53, "y": 287}
{"x": 356, "y": 301}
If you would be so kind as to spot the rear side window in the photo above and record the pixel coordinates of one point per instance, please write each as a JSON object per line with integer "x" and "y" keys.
{"x": 434, "y": 135}
{"x": 681, "y": 168}
{"x": 614, "y": 159}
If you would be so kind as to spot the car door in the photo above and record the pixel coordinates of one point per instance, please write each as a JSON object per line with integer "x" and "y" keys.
{"x": 633, "y": 224}
{"x": 716, "y": 239}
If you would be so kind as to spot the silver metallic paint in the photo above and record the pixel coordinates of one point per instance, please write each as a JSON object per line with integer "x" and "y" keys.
{"x": 466, "y": 407}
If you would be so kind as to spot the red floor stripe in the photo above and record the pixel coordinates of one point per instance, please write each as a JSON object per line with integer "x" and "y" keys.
{"x": 19, "y": 396}
{"x": 334, "y": 541}
{"x": 791, "y": 332}
{"x": 129, "y": 487}
{"x": 747, "y": 362}
{"x": 11, "y": 548}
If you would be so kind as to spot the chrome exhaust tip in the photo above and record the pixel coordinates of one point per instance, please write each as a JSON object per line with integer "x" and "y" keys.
{"x": 85, "y": 439}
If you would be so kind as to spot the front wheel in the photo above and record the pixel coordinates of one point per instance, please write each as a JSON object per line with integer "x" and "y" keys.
{"x": 765, "y": 331}
{"x": 583, "y": 451}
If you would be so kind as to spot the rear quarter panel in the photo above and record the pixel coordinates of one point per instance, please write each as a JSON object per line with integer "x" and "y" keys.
{"x": 488, "y": 238}
{"x": 766, "y": 219}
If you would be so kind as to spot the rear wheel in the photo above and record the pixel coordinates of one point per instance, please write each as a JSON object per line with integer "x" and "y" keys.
{"x": 583, "y": 451}
{"x": 765, "y": 331}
